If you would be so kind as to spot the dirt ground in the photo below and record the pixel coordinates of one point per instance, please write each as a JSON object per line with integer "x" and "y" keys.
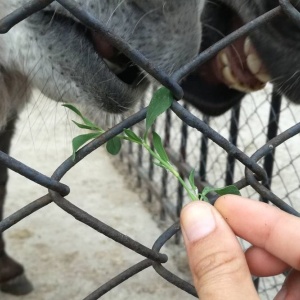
{"x": 65, "y": 259}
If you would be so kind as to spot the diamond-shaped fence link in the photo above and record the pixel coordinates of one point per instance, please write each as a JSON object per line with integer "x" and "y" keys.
{"x": 229, "y": 149}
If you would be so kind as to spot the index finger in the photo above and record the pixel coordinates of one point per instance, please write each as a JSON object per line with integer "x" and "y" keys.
{"x": 264, "y": 226}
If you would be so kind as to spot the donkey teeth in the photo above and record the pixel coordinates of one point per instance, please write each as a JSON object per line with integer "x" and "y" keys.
{"x": 263, "y": 77}
{"x": 241, "y": 88}
{"x": 256, "y": 67}
{"x": 247, "y": 46}
{"x": 224, "y": 58}
{"x": 247, "y": 89}
{"x": 254, "y": 63}
{"x": 234, "y": 83}
{"x": 228, "y": 75}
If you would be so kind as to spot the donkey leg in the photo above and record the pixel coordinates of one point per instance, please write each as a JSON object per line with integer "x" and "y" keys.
{"x": 12, "y": 277}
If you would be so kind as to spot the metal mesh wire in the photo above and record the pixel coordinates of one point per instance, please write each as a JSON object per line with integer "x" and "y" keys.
{"x": 192, "y": 141}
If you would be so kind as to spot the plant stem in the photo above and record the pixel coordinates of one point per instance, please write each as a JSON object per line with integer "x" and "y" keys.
{"x": 172, "y": 170}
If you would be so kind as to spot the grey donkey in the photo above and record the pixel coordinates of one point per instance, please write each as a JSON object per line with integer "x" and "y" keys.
{"x": 54, "y": 52}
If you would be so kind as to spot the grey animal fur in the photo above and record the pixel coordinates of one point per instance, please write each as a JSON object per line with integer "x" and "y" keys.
{"x": 58, "y": 59}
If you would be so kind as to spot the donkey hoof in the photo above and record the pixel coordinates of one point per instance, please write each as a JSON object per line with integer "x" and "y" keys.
{"x": 17, "y": 286}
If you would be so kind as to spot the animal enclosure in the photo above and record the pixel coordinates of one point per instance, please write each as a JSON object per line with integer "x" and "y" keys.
{"x": 253, "y": 146}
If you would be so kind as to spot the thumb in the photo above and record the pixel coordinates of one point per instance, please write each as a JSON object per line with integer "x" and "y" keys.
{"x": 216, "y": 259}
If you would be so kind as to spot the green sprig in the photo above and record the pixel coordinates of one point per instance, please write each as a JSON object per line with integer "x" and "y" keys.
{"x": 161, "y": 101}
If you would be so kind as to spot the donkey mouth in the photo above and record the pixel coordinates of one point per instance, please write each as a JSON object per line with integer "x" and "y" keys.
{"x": 118, "y": 63}
{"x": 238, "y": 66}
{"x": 120, "y": 67}
{"x": 107, "y": 77}
{"x": 221, "y": 82}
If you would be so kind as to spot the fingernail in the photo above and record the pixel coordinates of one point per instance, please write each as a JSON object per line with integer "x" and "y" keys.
{"x": 198, "y": 221}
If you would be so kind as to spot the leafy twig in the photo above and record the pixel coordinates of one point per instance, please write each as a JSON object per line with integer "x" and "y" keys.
{"x": 161, "y": 101}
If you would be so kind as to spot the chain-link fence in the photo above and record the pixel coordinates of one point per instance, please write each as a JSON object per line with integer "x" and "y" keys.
{"x": 250, "y": 125}
{"x": 220, "y": 149}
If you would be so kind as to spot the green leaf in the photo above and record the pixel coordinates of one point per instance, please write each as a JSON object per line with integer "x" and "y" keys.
{"x": 192, "y": 180}
{"x": 133, "y": 137}
{"x": 113, "y": 146}
{"x": 230, "y": 189}
{"x": 83, "y": 126}
{"x": 80, "y": 140}
{"x": 160, "y": 102}
{"x": 158, "y": 146}
{"x": 86, "y": 121}
{"x": 205, "y": 191}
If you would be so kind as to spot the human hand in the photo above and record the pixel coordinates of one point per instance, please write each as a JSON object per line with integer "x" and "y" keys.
{"x": 220, "y": 268}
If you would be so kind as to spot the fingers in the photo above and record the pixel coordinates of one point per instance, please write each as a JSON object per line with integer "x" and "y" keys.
{"x": 216, "y": 259}
{"x": 264, "y": 226}
{"x": 291, "y": 287}
{"x": 262, "y": 264}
